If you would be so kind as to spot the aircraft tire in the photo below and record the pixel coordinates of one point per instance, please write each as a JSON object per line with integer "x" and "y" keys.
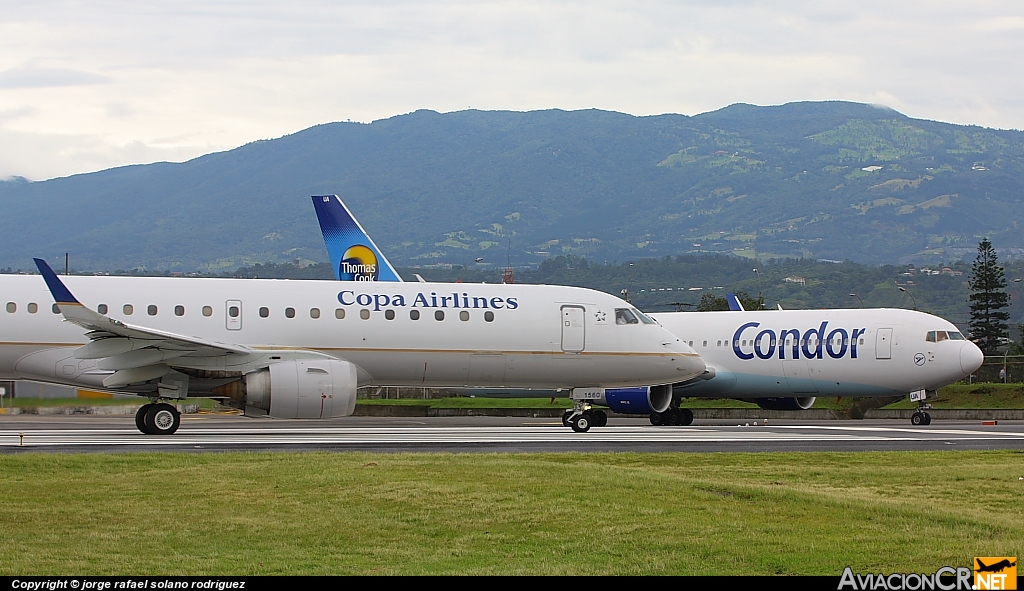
{"x": 565, "y": 418}
{"x": 927, "y": 418}
{"x": 140, "y": 418}
{"x": 657, "y": 419}
{"x": 600, "y": 418}
{"x": 582, "y": 423}
{"x": 672, "y": 417}
{"x": 685, "y": 417}
{"x": 162, "y": 419}
{"x": 917, "y": 419}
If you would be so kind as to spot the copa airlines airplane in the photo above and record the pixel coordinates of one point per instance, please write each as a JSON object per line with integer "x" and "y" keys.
{"x": 779, "y": 359}
{"x": 299, "y": 349}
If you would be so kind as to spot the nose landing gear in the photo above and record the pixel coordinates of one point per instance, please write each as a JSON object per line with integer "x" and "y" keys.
{"x": 580, "y": 419}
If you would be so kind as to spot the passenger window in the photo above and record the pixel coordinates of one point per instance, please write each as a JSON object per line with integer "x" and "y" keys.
{"x": 414, "y": 314}
{"x": 691, "y": 343}
{"x": 264, "y": 312}
{"x": 128, "y": 309}
{"x": 12, "y": 307}
{"x": 624, "y": 316}
{"x": 151, "y": 310}
{"x": 339, "y": 313}
{"x": 55, "y": 308}
{"x": 179, "y": 310}
{"x": 719, "y": 344}
{"x": 489, "y": 316}
{"x": 364, "y": 314}
{"x": 102, "y": 308}
{"x": 314, "y": 312}
{"x": 464, "y": 316}
{"x": 389, "y": 314}
{"x": 233, "y": 311}
{"x": 705, "y": 343}
{"x": 289, "y": 312}
{"x": 438, "y": 314}
{"x": 207, "y": 311}
{"x": 33, "y": 308}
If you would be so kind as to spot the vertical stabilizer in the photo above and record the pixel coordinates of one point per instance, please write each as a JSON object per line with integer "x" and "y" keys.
{"x": 734, "y": 302}
{"x": 354, "y": 256}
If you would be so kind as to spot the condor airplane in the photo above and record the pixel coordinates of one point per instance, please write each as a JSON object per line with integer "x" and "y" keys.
{"x": 783, "y": 359}
{"x": 779, "y": 359}
{"x": 299, "y": 349}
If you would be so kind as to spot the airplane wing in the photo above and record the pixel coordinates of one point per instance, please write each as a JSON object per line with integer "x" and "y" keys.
{"x": 135, "y": 353}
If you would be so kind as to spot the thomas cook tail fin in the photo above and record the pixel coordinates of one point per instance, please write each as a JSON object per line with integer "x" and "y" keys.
{"x": 353, "y": 254}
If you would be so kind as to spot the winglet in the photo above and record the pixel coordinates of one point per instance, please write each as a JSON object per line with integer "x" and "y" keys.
{"x": 734, "y": 302}
{"x": 61, "y": 294}
{"x": 353, "y": 254}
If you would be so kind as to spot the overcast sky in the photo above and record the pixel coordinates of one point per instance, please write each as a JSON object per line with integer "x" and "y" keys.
{"x": 91, "y": 85}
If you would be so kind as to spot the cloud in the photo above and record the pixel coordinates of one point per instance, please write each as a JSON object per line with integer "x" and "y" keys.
{"x": 15, "y": 113}
{"x": 40, "y": 77}
{"x": 223, "y": 74}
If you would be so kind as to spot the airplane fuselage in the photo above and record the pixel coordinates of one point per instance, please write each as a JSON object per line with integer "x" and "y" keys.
{"x": 836, "y": 352}
{"x": 428, "y": 335}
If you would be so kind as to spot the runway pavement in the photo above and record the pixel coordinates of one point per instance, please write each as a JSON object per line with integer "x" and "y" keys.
{"x": 492, "y": 434}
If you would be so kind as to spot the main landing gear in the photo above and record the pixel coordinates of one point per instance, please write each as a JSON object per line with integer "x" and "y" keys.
{"x": 158, "y": 418}
{"x": 582, "y": 417}
{"x": 672, "y": 416}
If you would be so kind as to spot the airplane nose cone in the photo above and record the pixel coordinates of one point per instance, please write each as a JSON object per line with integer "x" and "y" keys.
{"x": 971, "y": 358}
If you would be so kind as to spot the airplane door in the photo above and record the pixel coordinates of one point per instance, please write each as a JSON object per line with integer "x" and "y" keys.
{"x": 573, "y": 331}
{"x": 798, "y": 375}
{"x": 883, "y": 343}
{"x": 233, "y": 314}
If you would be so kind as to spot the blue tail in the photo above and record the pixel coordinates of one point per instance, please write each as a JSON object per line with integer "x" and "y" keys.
{"x": 734, "y": 302}
{"x": 353, "y": 255}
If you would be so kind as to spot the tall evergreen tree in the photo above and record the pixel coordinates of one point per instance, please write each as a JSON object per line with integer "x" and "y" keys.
{"x": 988, "y": 298}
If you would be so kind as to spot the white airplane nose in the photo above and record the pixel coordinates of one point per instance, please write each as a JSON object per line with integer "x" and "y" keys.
{"x": 971, "y": 358}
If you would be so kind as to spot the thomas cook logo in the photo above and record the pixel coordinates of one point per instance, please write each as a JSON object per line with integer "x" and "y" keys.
{"x": 919, "y": 359}
{"x": 995, "y": 572}
{"x": 359, "y": 264}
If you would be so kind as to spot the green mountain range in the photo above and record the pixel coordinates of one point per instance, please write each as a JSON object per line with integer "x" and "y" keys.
{"x": 822, "y": 180}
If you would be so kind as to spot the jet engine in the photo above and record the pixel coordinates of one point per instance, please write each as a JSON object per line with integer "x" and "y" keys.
{"x": 639, "y": 401}
{"x": 797, "y": 403}
{"x": 302, "y": 389}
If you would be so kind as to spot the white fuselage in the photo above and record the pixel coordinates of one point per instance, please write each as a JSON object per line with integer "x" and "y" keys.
{"x": 538, "y": 336}
{"x": 752, "y": 353}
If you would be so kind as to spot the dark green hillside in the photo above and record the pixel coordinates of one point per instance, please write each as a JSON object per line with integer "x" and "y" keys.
{"x": 829, "y": 180}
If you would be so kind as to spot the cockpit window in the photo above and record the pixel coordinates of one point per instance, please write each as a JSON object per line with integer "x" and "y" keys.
{"x": 644, "y": 317}
{"x": 935, "y": 336}
{"x": 625, "y": 316}
{"x": 956, "y": 336}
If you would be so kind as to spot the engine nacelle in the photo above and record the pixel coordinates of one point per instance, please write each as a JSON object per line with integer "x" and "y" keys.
{"x": 639, "y": 401}
{"x": 798, "y": 403}
{"x": 303, "y": 389}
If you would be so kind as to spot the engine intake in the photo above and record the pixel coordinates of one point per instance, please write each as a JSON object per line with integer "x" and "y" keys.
{"x": 303, "y": 389}
{"x": 798, "y": 403}
{"x": 639, "y": 401}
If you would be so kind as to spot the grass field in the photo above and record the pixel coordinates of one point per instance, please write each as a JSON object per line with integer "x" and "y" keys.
{"x": 599, "y": 513}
